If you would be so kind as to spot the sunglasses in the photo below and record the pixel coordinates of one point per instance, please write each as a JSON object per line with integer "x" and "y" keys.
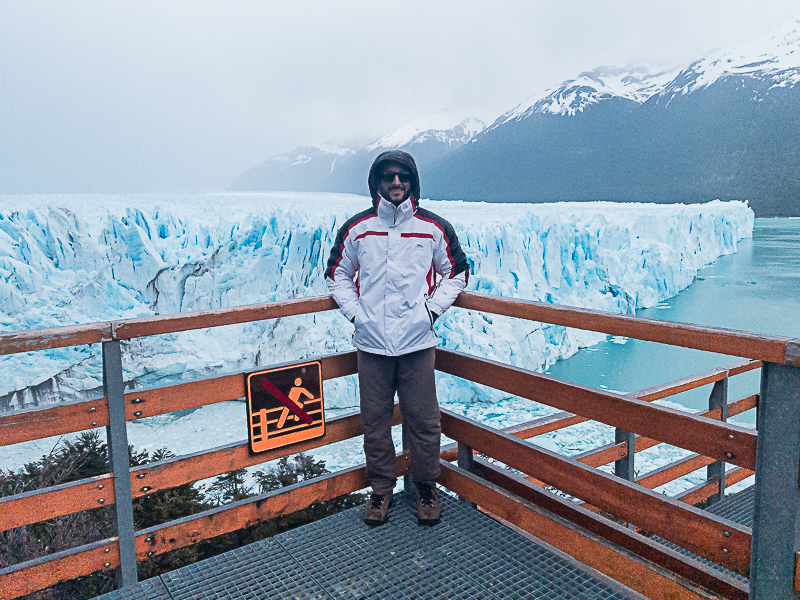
{"x": 389, "y": 177}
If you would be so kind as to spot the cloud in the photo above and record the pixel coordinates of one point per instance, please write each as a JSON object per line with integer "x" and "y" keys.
{"x": 184, "y": 95}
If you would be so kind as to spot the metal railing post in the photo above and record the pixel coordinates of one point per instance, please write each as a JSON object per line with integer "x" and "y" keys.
{"x": 466, "y": 461}
{"x": 776, "y": 513}
{"x": 117, "y": 438}
{"x": 624, "y": 467}
{"x": 408, "y": 483}
{"x": 718, "y": 399}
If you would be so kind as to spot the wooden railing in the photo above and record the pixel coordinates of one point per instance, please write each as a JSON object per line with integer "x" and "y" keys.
{"x": 624, "y": 553}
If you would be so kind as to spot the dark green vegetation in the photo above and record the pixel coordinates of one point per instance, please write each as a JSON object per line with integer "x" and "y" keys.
{"x": 87, "y": 456}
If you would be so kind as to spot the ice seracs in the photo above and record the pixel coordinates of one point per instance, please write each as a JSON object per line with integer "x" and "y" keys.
{"x": 80, "y": 259}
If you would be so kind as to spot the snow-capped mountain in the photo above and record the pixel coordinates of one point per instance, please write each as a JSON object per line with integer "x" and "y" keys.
{"x": 441, "y": 127}
{"x": 590, "y": 87}
{"x": 302, "y": 169}
{"x": 727, "y": 126}
{"x": 774, "y": 59}
{"x": 305, "y": 154}
{"x": 724, "y": 127}
{"x": 343, "y": 168}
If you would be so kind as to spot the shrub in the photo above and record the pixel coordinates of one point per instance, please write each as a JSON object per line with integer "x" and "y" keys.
{"x": 87, "y": 456}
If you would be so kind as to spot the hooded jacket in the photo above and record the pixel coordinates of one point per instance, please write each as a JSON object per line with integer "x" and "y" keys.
{"x": 391, "y": 269}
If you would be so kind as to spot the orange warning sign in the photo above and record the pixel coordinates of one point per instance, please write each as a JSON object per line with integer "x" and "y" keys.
{"x": 284, "y": 406}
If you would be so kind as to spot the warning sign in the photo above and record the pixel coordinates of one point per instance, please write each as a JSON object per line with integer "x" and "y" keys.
{"x": 284, "y": 406}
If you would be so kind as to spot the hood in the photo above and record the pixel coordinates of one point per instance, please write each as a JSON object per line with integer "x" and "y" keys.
{"x": 398, "y": 156}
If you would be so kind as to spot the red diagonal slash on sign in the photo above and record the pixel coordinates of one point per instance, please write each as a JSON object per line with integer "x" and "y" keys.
{"x": 292, "y": 406}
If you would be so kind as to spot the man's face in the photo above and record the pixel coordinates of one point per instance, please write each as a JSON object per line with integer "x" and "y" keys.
{"x": 395, "y": 183}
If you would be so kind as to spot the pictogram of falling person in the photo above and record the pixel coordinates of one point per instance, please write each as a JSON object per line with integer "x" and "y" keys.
{"x": 294, "y": 395}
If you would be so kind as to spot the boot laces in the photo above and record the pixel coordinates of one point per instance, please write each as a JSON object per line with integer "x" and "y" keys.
{"x": 376, "y": 500}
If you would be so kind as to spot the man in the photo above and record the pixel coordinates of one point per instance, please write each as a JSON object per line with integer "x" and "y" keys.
{"x": 393, "y": 270}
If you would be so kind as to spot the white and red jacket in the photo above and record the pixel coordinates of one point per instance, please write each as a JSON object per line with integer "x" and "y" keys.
{"x": 389, "y": 269}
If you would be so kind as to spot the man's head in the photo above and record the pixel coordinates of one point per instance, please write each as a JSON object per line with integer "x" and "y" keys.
{"x": 394, "y": 176}
{"x": 394, "y": 182}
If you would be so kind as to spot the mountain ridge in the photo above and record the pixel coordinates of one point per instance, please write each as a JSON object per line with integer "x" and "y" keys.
{"x": 725, "y": 126}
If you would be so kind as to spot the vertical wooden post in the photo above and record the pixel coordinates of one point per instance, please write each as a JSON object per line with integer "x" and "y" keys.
{"x": 776, "y": 514}
{"x": 117, "y": 438}
{"x": 624, "y": 467}
{"x": 718, "y": 399}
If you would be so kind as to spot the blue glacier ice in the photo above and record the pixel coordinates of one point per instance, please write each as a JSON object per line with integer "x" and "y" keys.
{"x": 68, "y": 259}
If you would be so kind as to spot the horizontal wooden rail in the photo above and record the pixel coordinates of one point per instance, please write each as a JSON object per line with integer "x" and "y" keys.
{"x": 731, "y": 443}
{"x": 124, "y": 330}
{"x": 73, "y": 335}
{"x": 54, "y": 337}
{"x": 692, "y": 569}
{"x": 597, "y": 457}
{"x": 245, "y": 513}
{"x": 777, "y": 349}
{"x": 172, "y": 472}
{"x": 28, "y": 425}
{"x": 720, "y": 540}
{"x": 603, "y": 455}
{"x": 39, "y": 505}
{"x": 35, "y": 423}
{"x": 31, "y": 576}
{"x": 672, "y": 471}
{"x": 691, "y": 382}
{"x": 704, "y": 491}
{"x": 743, "y": 405}
{"x": 157, "y": 401}
{"x": 630, "y": 570}
{"x": 612, "y": 452}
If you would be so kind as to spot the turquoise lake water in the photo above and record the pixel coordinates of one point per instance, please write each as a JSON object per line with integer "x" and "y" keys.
{"x": 757, "y": 289}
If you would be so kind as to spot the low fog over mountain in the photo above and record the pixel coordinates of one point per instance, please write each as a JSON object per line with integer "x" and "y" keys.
{"x": 727, "y": 126}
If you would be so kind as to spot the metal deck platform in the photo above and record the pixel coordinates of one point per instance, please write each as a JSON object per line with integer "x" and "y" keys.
{"x": 468, "y": 555}
{"x": 738, "y": 508}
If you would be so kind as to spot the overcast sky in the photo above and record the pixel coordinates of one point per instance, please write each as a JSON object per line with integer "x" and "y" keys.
{"x": 149, "y": 96}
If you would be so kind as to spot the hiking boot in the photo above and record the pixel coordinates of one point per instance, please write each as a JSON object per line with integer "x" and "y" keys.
{"x": 377, "y": 509}
{"x": 428, "y": 508}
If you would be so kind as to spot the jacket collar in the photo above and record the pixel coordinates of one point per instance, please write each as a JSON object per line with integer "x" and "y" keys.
{"x": 394, "y": 215}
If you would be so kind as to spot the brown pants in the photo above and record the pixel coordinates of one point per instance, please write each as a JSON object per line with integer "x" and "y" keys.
{"x": 411, "y": 376}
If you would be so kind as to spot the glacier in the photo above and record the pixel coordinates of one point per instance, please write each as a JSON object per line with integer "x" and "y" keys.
{"x": 69, "y": 259}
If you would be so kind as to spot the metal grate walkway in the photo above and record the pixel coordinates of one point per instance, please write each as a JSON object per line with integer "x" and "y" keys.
{"x": 738, "y": 508}
{"x": 468, "y": 555}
